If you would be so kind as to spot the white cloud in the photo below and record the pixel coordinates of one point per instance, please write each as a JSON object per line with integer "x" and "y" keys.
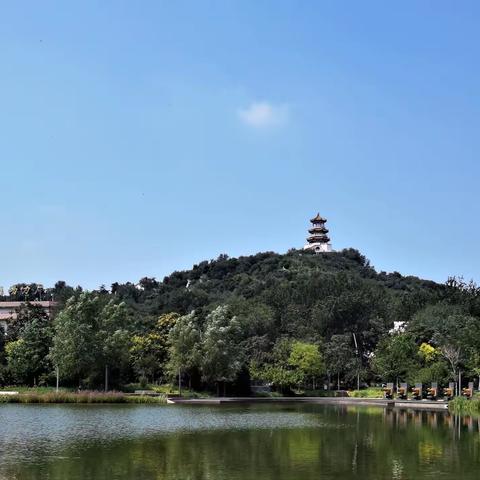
{"x": 264, "y": 115}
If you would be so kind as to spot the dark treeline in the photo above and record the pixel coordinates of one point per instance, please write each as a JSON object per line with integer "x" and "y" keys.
{"x": 294, "y": 321}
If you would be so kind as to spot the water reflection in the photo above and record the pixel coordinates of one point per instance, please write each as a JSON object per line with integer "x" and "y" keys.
{"x": 249, "y": 442}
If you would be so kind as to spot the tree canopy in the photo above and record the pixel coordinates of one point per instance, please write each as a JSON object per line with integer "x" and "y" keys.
{"x": 290, "y": 320}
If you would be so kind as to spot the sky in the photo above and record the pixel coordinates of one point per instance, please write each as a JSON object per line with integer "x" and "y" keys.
{"x": 139, "y": 138}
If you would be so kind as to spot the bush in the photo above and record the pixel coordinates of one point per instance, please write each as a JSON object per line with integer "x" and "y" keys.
{"x": 371, "y": 392}
{"x": 462, "y": 405}
{"x": 85, "y": 397}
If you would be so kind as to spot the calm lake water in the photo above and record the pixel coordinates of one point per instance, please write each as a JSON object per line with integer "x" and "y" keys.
{"x": 277, "y": 442}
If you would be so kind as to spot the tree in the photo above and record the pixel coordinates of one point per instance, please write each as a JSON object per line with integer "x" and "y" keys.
{"x": 307, "y": 360}
{"x": 474, "y": 364}
{"x": 340, "y": 356}
{"x": 456, "y": 336}
{"x": 150, "y": 351}
{"x": 25, "y": 314}
{"x": 184, "y": 339}
{"x": 427, "y": 352}
{"x": 113, "y": 337}
{"x": 146, "y": 355}
{"x": 222, "y": 354}
{"x": 27, "y": 356}
{"x": 395, "y": 357}
{"x": 76, "y": 351}
{"x": 276, "y": 368}
{"x": 291, "y": 363}
{"x": 61, "y": 292}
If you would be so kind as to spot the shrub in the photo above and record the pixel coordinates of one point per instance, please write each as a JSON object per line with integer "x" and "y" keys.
{"x": 86, "y": 397}
{"x": 462, "y": 405}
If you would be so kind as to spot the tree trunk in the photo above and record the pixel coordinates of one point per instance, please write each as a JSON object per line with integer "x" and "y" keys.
{"x": 338, "y": 381}
{"x": 218, "y": 389}
{"x": 459, "y": 383}
{"x": 106, "y": 378}
{"x": 224, "y": 388}
{"x": 179, "y": 382}
{"x": 189, "y": 382}
{"x": 58, "y": 379}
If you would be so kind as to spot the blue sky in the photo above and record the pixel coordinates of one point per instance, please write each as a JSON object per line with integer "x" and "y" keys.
{"x": 138, "y": 138}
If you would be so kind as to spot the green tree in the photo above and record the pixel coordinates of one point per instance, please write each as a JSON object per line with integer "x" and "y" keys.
{"x": 457, "y": 336}
{"x": 184, "y": 339}
{"x": 222, "y": 352}
{"x": 76, "y": 351}
{"x": 395, "y": 357}
{"x": 113, "y": 338}
{"x": 150, "y": 351}
{"x": 27, "y": 357}
{"x": 340, "y": 357}
{"x": 307, "y": 360}
{"x": 277, "y": 368}
{"x": 25, "y": 314}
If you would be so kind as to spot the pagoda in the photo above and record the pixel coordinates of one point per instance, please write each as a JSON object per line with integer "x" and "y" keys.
{"x": 318, "y": 240}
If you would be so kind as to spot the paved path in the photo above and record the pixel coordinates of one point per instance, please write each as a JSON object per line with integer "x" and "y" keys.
{"x": 378, "y": 402}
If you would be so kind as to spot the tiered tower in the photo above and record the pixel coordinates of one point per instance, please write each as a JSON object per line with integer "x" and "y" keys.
{"x": 318, "y": 240}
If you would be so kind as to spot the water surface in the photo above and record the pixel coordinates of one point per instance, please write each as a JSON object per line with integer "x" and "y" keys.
{"x": 261, "y": 442}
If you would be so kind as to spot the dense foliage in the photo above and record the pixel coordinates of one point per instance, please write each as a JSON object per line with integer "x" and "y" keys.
{"x": 295, "y": 321}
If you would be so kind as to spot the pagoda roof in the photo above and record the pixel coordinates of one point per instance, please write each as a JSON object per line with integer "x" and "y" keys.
{"x": 318, "y": 239}
{"x": 319, "y": 229}
{"x": 318, "y": 218}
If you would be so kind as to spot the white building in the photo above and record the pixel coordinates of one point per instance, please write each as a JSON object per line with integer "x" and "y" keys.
{"x": 8, "y": 310}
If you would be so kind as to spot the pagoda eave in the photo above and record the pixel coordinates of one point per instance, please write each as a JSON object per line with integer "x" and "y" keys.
{"x": 318, "y": 230}
{"x": 318, "y": 239}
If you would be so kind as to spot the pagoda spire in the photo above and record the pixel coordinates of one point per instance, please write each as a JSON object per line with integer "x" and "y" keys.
{"x": 318, "y": 240}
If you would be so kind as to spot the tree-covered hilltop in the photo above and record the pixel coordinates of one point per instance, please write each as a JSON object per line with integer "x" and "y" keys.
{"x": 294, "y": 320}
{"x": 296, "y": 282}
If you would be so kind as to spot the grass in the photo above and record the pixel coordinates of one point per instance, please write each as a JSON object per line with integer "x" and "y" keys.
{"x": 167, "y": 389}
{"x": 39, "y": 390}
{"x": 318, "y": 393}
{"x": 86, "y": 397}
{"x": 370, "y": 392}
{"x": 267, "y": 394}
{"x": 463, "y": 406}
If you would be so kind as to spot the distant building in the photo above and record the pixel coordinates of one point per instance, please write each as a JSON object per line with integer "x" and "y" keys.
{"x": 318, "y": 240}
{"x": 8, "y": 310}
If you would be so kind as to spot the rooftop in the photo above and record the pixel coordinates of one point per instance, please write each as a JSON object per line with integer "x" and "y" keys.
{"x": 44, "y": 304}
{"x": 318, "y": 219}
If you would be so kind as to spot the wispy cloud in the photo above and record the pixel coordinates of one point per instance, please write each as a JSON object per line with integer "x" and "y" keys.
{"x": 264, "y": 115}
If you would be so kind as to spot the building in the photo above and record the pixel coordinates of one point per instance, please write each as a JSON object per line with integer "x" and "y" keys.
{"x": 318, "y": 240}
{"x": 8, "y": 310}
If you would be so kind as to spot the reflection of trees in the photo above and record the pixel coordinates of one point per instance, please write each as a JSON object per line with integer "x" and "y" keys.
{"x": 347, "y": 444}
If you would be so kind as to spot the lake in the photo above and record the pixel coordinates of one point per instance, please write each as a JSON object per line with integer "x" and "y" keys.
{"x": 281, "y": 442}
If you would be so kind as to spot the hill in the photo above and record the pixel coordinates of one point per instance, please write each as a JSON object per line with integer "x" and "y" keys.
{"x": 288, "y": 319}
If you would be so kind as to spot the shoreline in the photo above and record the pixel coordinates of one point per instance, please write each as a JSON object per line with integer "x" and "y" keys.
{"x": 92, "y": 397}
{"x": 347, "y": 401}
